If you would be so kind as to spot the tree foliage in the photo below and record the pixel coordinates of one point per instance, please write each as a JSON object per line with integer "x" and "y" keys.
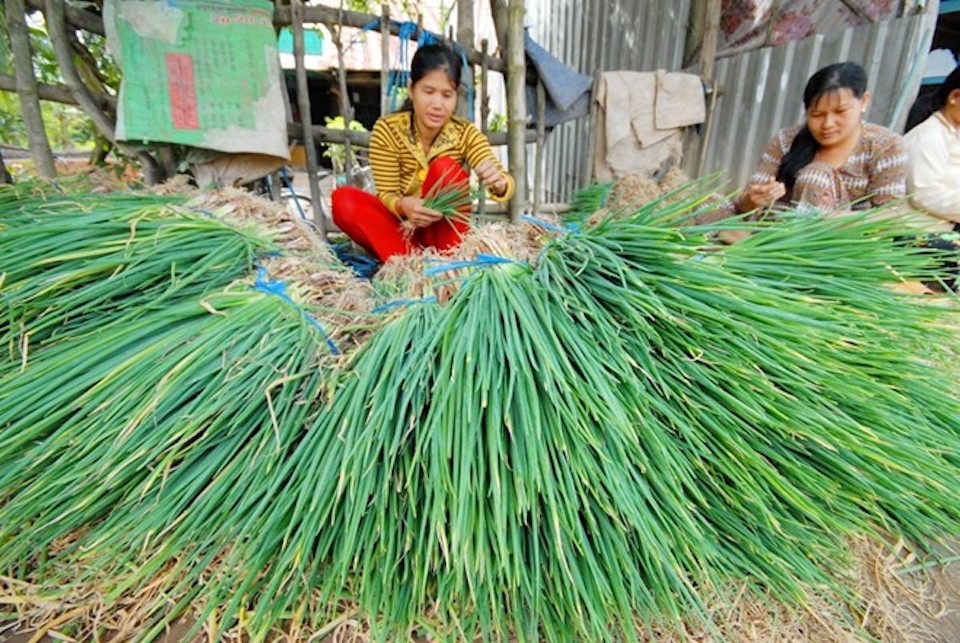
{"x": 67, "y": 126}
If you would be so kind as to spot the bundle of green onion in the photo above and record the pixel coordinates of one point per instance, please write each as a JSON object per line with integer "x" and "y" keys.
{"x": 143, "y": 455}
{"x": 635, "y": 422}
{"x": 799, "y": 402}
{"x": 452, "y": 199}
{"x": 68, "y": 271}
{"x": 577, "y": 449}
{"x": 588, "y": 200}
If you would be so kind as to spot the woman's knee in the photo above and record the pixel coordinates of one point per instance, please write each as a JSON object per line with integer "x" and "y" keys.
{"x": 345, "y": 201}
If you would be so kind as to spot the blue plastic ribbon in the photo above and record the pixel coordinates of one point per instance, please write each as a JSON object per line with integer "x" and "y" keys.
{"x": 363, "y": 265}
{"x": 545, "y": 224}
{"x": 606, "y": 192}
{"x": 293, "y": 193}
{"x": 482, "y": 261}
{"x": 206, "y": 213}
{"x": 279, "y": 289}
{"x": 390, "y": 305}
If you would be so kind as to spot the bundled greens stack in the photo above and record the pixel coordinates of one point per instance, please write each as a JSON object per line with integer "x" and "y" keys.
{"x": 68, "y": 272}
{"x": 574, "y": 449}
{"x": 158, "y": 394}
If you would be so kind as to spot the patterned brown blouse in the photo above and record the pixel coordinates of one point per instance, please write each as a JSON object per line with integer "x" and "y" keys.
{"x": 874, "y": 173}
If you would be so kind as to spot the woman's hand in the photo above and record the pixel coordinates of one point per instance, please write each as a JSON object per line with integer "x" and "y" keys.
{"x": 490, "y": 176}
{"x": 760, "y": 195}
{"x": 413, "y": 210}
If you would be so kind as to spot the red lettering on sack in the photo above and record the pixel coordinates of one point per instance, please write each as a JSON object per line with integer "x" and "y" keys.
{"x": 182, "y": 87}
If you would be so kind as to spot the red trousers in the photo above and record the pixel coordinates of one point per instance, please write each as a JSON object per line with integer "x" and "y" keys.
{"x": 366, "y": 220}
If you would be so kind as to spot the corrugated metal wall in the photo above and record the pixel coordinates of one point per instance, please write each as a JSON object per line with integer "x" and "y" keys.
{"x": 600, "y": 36}
{"x": 762, "y": 91}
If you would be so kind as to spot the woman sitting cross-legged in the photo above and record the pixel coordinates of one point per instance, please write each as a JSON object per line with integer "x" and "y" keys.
{"x": 413, "y": 153}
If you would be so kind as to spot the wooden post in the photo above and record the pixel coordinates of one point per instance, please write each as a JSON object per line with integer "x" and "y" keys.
{"x": 384, "y": 59}
{"x": 4, "y": 173}
{"x": 465, "y": 37}
{"x": 541, "y": 143}
{"x": 306, "y": 121}
{"x": 592, "y": 122}
{"x": 499, "y": 11}
{"x": 516, "y": 107}
{"x": 708, "y": 59}
{"x": 711, "y": 37}
{"x": 484, "y": 109}
{"x": 346, "y": 109}
{"x": 27, "y": 90}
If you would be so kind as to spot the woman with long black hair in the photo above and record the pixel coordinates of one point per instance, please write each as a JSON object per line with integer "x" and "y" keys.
{"x": 834, "y": 160}
{"x": 413, "y": 151}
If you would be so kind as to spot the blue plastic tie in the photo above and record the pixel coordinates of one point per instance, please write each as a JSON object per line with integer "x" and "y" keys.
{"x": 390, "y": 305}
{"x": 606, "y": 193}
{"x": 482, "y": 261}
{"x": 544, "y": 224}
{"x": 206, "y": 213}
{"x": 365, "y": 28}
{"x": 363, "y": 265}
{"x": 279, "y": 289}
{"x": 293, "y": 193}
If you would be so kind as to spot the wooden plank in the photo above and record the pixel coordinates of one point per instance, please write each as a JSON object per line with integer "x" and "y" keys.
{"x": 306, "y": 122}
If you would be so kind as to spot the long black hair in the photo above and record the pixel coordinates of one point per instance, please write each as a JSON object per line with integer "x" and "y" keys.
{"x": 432, "y": 57}
{"x": 951, "y": 83}
{"x": 931, "y": 99}
{"x": 832, "y": 78}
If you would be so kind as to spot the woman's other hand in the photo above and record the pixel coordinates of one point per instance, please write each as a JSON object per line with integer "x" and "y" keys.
{"x": 412, "y": 209}
{"x": 761, "y": 195}
{"x": 490, "y": 176}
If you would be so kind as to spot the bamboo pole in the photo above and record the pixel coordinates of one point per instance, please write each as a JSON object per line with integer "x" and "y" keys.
{"x": 92, "y": 22}
{"x": 711, "y": 37}
{"x": 384, "y": 58}
{"x": 499, "y": 12}
{"x": 541, "y": 143}
{"x": 57, "y": 29}
{"x": 306, "y": 120}
{"x": 708, "y": 59}
{"x": 57, "y": 93}
{"x": 4, "y": 173}
{"x": 465, "y": 38}
{"x": 516, "y": 107}
{"x": 27, "y": 92}
{"x": 346, "y": 109}
{"x": 362, "y": 139}
{"x": 484, "y": 109}
{"x": 540, "y": 161}
{"x": 84, "y": 19}
{"x": 484, "y": 90}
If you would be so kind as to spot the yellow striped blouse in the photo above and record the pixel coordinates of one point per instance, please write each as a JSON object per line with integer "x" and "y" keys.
{"x": 399, "y": 164}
